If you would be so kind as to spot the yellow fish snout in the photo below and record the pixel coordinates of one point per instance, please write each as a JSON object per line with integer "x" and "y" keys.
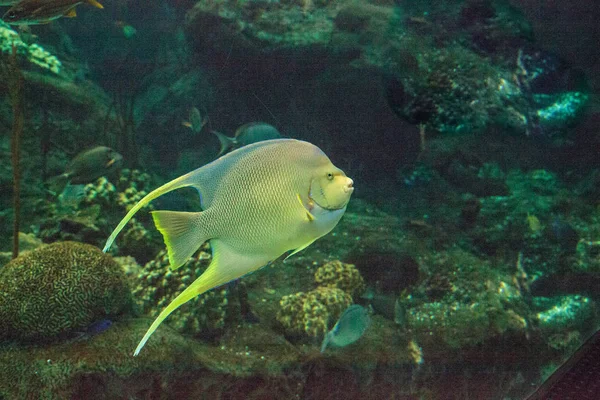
{"x": 349, "y": 187}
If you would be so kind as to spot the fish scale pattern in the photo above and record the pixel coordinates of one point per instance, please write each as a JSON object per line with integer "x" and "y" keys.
{"x": 59, "y": 288}
{"x": 244, "y": 197}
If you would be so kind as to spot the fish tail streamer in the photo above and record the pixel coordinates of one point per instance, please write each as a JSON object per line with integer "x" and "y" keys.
{"x": 183, "y": 181}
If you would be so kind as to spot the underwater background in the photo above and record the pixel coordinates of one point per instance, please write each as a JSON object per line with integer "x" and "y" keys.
{"x": 471, "y": 130}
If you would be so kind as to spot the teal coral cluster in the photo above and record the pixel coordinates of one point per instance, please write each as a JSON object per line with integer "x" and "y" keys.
{"x": 312, "y": 313}
{"x": 159, "y": 285}
{"x": 33, "y": 52}
{"x": 59, "y": 288}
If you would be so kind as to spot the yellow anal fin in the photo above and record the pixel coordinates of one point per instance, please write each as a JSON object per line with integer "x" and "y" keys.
{"x": 94, "y": 3}
{"x": 208, "y": 280}
{"x": 226, "y": 266}
{"x": 308, "y": 214}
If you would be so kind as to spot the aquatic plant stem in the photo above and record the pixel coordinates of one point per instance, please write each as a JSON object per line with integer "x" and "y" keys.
{"x": 15, "y": 88}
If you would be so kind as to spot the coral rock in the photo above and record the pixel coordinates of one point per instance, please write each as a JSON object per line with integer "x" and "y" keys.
{"x": 336, "y": 274}
{"x": 59, "y": 288}
{"x": 312, "y": 313}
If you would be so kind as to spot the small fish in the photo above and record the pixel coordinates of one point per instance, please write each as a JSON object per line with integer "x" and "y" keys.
{"x": 258, "y": 203}
{"x": 32, "y": 12}
{"x": 98, "y": 327}
{"x": 534, "y": 223}
{"x": 88, "y": 166}
{"x": 350, "y": 327}
{"x": 94, "y": 329}
{"x": 564, "y": 235}
{"x": 128, "y": 30}
{"x": 71, "y": 196}
{"x": 386, "y": 305}
{"x": 195, "y": 122}
{"x": 251, "y": 132}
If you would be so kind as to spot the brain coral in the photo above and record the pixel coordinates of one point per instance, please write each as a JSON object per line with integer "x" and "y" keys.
{"x": 59, "y": 288}
{"x": 336, "y": 274}
{"x": 312, "y": 313}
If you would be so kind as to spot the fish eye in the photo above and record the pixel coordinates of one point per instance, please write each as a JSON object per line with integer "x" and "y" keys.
{"x": 329, "y": 176}
{"x": 11, "y": 15}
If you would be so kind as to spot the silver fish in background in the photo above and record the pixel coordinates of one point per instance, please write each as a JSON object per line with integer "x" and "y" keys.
{"x": 195, "y": 120}
{"x": 33, "y": 12}
{"x": 251, "y": 132}
{"x": 350, "y": 327}
{"x": 86, "y": 167}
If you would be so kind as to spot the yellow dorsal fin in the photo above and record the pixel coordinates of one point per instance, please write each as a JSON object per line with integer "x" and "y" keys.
{"x": 308, "y": 214}
{"x": 71, "y": 13}
{"x": 94, "y": 3}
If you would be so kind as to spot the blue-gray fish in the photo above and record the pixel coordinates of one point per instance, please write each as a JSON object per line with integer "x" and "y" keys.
{"x": 258, "y": 202}
{"x": 251, "y": 132}
{"x": 350, "y": 327}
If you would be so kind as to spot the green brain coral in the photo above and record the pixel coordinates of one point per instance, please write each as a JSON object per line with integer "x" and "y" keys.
{"x": 313, "y": 312}
{"x": 336, "y": 274}
{"x": 59, "y": 288}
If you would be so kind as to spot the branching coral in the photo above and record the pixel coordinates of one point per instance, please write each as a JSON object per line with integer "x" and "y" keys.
{"x": 33, "y": 52}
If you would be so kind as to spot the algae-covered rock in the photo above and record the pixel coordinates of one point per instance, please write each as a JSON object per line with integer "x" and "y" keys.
{"x": 59, "y": 288}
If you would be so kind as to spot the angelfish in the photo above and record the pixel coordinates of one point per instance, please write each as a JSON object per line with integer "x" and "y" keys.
{"x": 258, "y": 202}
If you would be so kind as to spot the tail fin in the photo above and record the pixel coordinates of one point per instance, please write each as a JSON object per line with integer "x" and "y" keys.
{"x": 58, "y": 183}
{"x": 183, "y": 234}
{"x": 326, "y": 340}
{"x": 182, "y": 181}
{"x": 226, "y": 142}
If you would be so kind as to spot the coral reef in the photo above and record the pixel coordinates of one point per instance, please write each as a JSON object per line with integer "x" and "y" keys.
{"x": 100, "y": 192}
{"x": 204, "y": 315}
{"x": 464, "y": 303}
{"x": 312, "y": 313}
{"x": 336, "y": 274}
{"x": 59, "y": 288}
{"x": 34, "y": 53}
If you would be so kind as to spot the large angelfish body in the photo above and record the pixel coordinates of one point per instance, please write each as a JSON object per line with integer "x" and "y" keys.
{"x": 258, "y": 202}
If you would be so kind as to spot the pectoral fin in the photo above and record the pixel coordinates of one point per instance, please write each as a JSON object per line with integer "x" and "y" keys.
{"x": 308, "y": 214}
